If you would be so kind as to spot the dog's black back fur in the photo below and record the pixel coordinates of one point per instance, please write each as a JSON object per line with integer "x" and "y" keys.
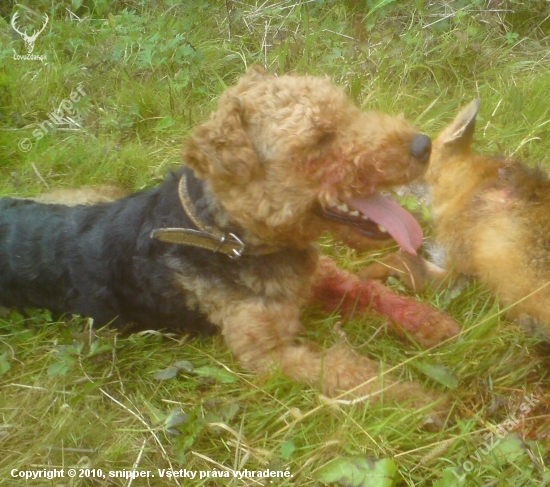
{"x": 100, "y": 261}
{"x": 96, "y": 261}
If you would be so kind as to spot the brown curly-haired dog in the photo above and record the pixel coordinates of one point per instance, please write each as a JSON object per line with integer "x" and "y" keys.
{"x": 283, "y": 157}
{"x": 281, "y": 160}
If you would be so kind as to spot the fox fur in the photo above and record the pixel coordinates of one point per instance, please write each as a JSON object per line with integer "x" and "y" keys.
{"x": 491, "y": 214}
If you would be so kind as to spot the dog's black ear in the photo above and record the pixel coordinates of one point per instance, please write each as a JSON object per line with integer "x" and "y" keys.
{"x": 220, "y": 148}
{"x": 459, "y": 134}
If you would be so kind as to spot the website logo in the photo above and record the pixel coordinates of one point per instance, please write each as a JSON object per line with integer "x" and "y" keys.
{"x": 28, "y": 39}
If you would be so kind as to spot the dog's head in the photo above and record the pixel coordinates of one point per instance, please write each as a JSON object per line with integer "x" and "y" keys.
{"x": 289, "y": 157}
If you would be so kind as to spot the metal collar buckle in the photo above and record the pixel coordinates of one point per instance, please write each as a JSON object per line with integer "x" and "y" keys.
{"x": 237, "y": 250}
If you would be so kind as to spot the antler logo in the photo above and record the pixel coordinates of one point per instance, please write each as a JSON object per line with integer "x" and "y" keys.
{"x": 29, "y": 39}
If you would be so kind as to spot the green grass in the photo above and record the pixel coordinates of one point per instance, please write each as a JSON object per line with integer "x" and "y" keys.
{"x": 151, "y": 71}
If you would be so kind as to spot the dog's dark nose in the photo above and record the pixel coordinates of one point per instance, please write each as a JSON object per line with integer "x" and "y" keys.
{"x": 421, "y": 147}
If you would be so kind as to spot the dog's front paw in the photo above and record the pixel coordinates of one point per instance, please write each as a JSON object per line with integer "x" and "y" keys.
{"x": 426, "y": 325}
{"x": 350, "y": 379}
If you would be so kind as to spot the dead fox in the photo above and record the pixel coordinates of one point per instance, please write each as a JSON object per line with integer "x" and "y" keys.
{"x": 492, "y": 217}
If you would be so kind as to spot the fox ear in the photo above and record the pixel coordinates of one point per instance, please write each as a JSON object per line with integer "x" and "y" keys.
{"x": 459, "y": 134}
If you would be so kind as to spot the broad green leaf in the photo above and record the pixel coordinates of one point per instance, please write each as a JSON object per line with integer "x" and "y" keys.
{"x": 166, "y": 374}
{"x": 217, "y": 373}
{"x": 164, "y": 123}
{"x": 59, "y": 368}
{"x": 438, "y": 373}
{"x": 452, "y": 477}
{"x": 287, "y": 449}
{"x": 4, "y": 366}
{"x": 509, "y": 450}
{"x": 172, "y": 370}
{"x": 359, "y": 471}
{"x": 176, "y": 418}
{"x": 184, "y": 365}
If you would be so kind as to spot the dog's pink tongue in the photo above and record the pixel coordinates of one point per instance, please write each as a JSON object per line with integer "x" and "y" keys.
{"x": 399, "y": 223}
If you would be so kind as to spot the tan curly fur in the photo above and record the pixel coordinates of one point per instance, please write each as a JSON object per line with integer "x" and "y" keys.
{"x": 274, "y": 149}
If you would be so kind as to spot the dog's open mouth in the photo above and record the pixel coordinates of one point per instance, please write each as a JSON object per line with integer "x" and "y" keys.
{"x": 378, "y": 217}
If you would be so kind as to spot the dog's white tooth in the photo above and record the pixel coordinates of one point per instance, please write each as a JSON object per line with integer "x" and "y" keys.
{"x": 332, "y": 203}
{"x": 343, "y": 208}
{"x": 365, "y": 217}
{"x": 382, "y": 229}
{"x": 354, "y": 213}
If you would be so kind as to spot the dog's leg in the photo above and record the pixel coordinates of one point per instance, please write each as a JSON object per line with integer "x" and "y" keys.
{"x": 336, "y": 288}
{"x": 264, "y": 337}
